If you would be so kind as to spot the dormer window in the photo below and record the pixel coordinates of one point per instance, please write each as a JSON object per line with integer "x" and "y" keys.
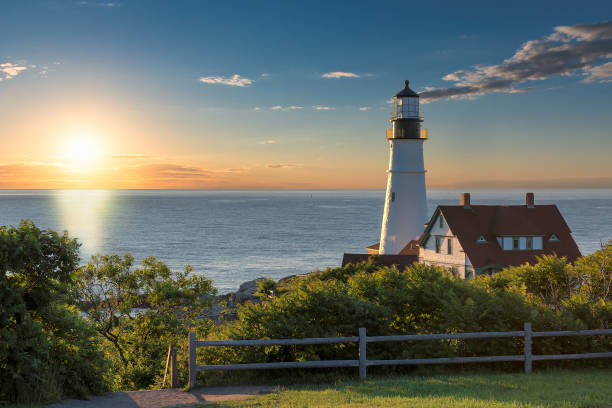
{"x": 553, "y": 238}
{"x": 514, "y": 243}
{"x": 481, "y": 240}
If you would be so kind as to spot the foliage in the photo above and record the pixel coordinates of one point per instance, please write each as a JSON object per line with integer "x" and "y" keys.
{"x": 140, "y": 311}
{"x": 266, "y": 288}
{"x": 338, "y": 301}
{"x": 552, "y": 294}
{"x": 46, "y": 349}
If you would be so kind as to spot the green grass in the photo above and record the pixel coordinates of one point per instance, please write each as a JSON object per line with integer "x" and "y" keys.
{"x": 579, "y": 388}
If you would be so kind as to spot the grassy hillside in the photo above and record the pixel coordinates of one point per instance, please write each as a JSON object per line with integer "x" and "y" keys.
{"x": 587, "y": 388}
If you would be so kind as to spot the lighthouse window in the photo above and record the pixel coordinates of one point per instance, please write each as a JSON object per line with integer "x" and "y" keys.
{"x": 392, "y": 196}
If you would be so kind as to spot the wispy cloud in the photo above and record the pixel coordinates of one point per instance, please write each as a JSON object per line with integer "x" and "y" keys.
{"x": 601, "y": 73}
{"x": 365, "y": 108}
{"x": 339, "y": 74}
{"x": 100, "y": 3}
{"x": 323, "y": 108}
{"x": 569, "y": 50}
{"x": 267, "y": 142}
{"x": 8, "y": 70}
{"x": 282, "y": 166}
{"x": 286, "y": 108}
{"x": 235, "y": 80}
{"x": 130, "y": 156}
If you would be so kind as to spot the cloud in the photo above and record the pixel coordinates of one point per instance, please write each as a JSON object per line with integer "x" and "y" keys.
{"x": 8, "y": 70}
{"x": 569, "y": 50}
{"x": 365, "y": 108}
{"x": 282, "y": 166}
{"x": 235, "y": 80}
{"x": 267, "y": 142}
{"x": 130, "y": 156}
{"x": 323, "y": 108}
{"x": 339, "y": 74}
{"x": 286, "y": 108}
{"x": 108, "y": 4}
{"x": 601, "y": 73}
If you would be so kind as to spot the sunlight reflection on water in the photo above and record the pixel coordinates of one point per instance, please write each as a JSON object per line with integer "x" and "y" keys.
{"x": 81, "y": 213}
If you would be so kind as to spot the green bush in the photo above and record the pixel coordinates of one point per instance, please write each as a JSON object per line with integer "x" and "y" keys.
{"x": 139, "y": 311}
{"x": 47, "y": 350}
{"x": 552, "y": 294}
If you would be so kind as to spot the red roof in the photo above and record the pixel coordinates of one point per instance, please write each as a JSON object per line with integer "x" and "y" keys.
{"x": 411, "y": 248}
{"x": 492, "y": 221}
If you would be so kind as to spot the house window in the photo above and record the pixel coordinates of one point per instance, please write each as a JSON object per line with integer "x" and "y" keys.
{"x": 441, "y": 221}
{"x": 529, "y": 243}
{"x": 449, "y": 246}
{"x": 515, "y": 243}
{"x": 553, "y": 238}
{"x": 438, "y": 244}
{"x": 481, "y": 240}
{"x": 537, "y": 242}
{"x": 392, "y": 196}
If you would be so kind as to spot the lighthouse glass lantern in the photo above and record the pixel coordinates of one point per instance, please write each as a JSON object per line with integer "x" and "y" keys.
{"x": 406, "y": 104}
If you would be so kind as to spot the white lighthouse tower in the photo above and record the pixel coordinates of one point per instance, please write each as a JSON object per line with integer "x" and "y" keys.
{"x": 405, "y": 200}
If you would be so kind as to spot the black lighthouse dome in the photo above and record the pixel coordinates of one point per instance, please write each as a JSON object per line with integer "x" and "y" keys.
{"x": 406, "y": 92}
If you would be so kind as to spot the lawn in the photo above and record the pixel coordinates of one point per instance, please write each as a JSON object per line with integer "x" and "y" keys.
{"x": 580, "y": 388}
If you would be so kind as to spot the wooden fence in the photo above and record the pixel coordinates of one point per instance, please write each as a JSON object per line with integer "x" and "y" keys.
{"x": 527, "y": 357}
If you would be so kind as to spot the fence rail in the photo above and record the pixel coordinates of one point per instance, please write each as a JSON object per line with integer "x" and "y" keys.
{"x": 362, "y": 362}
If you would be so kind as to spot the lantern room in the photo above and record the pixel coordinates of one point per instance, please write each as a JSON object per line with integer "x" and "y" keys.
{"x": 406, "y": 104}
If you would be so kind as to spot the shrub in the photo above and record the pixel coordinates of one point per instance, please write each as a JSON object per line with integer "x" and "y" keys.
{"x": 47, "y": 350}
{"x": 140, "y": 311}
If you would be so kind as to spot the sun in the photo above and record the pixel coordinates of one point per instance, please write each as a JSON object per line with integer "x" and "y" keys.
{"x": 83, "y": 149}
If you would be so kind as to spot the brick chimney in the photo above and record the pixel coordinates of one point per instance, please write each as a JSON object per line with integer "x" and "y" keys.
{"x": 529, "y": 200}
{"x": 465, "y": 200}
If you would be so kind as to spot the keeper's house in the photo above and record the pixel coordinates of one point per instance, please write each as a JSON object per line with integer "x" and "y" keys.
{"x": 474, "y": 239}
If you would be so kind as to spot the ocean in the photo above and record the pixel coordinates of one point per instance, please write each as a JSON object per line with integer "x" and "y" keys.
{"x": 235, "y": 236}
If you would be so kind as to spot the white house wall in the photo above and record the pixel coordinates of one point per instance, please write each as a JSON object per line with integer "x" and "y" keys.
{"x": 456, "y": 261}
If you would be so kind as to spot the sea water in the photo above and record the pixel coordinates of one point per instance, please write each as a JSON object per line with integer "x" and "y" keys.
{"x": 235, "y": 236}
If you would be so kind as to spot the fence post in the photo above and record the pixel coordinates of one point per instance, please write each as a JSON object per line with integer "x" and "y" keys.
{"x": 192, "y": 360}
{"x": 167, "y": 364}
{"x": 362, "y": 353}
{"x": 527, "y": 329}
{"x": 173, "y": 369}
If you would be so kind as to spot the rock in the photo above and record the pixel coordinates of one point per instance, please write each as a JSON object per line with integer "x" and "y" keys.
{"x": 246, "y": 291}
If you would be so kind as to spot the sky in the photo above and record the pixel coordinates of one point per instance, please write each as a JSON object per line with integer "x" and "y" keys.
{"x": 295, "y": 94}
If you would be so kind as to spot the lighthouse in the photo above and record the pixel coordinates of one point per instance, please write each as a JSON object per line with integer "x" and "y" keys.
{"x": 405, "y": 199}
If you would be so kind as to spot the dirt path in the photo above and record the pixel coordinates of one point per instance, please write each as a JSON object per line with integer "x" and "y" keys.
{"x": 164, "y": 398}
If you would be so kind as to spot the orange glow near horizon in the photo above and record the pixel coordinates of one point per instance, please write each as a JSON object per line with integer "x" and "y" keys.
{"x": 101, "y": 143}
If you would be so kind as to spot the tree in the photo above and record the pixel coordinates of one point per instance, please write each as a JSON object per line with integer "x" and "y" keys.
{"x": 595, "y": 271}
{"x": 47, "y": 350}
{"x": 139, "y": 311}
